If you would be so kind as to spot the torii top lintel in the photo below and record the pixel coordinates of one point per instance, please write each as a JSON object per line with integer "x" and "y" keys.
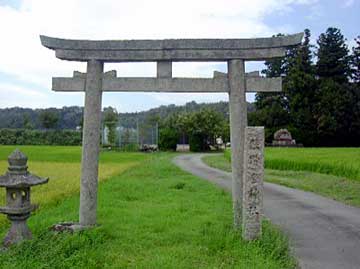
{"x": 255, "y": 49}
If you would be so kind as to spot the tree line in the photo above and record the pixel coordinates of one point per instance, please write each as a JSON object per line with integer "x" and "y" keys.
{"x": 199, "y": 129}
{"x": 49, "y": 118}
{"x": 320, "y": 102}
{"x": 71, "y": 117}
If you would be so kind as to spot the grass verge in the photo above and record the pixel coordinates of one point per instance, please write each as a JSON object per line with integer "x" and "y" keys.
{"x": 342, "y": 162}
{"x": 151, "y": 216}
{"x": 334, "y": 187}
{"x": 62, "y": 166}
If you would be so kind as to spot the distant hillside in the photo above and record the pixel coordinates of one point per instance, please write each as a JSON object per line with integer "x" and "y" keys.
{"x": 70, "y": 117}
{"x": 129, "y": 119}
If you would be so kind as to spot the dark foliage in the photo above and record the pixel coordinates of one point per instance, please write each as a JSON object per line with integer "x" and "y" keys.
{"x": 320, "y": 102}
{"x": 72, "y": 117}
{"x": 39, "y": 137}
{"x": 355, "y": 62}
{"x": 202, "y": 127}
{"x": 168, "y": 138}
{"x": 48, "y": 119}
{"x": 111, "y": 119}
{"x": 16, "y": 117}
{"x": 333, "y": 56}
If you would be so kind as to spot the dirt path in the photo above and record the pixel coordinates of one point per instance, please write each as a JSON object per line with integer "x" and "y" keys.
{"x": 324, "y": 234}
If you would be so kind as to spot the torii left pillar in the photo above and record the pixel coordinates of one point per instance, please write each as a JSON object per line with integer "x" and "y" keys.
{"x": 91, "y": 143}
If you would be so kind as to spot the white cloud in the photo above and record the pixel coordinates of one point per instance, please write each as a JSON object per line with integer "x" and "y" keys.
{"x": 23, "y": 56}
{"x": 22, "y": 95}
{"x": 349, "y": 3}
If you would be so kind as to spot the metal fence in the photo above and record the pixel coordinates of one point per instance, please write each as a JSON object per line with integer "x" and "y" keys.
{"x": 134, "y": 135}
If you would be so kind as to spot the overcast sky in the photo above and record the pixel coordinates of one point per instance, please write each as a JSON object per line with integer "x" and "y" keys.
{"x": 26, "y": 67}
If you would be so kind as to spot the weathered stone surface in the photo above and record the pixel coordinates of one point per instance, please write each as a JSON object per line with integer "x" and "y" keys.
{"x": 74, "y": 84}
{"x": 171, "y": 49}
{"x": 17, "y": 175}
{"x": 109, "y": 74}
{"x": 106, "y": 75}
{"x": 238, "y": 122}
{"x": 18, "y": 207}
{"x": 164, "y": 69}
{"x": 120, "y": 84}
{"x": 170, "y": 55}
{"x": 19, "y": 231}
{"x": 261, "y": 84}
{"x": 283, "y": 138}
{"x": 91, "y": 143}
{"x": 253, "y": 182}
{"x": 245, "y": 43}
{"x": 68, "y": 227}
{"x": 218, "y": 74}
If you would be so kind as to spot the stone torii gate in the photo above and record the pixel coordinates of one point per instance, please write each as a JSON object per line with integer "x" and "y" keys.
{"x": 236, "y": 82}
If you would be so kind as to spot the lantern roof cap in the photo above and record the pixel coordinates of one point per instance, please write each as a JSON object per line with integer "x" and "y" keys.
{"x": 17, "y": 175}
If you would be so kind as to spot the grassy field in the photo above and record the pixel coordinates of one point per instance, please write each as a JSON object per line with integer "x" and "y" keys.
{"x": 334, "y": 173}
{"x": 151, "y": 215}
{"x": 343, "y": 162}
{"x": 62, "y": 166}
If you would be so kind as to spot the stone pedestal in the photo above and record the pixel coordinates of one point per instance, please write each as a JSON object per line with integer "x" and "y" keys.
{"x": 19, "y": 230}
{"x": 253, "y": 182}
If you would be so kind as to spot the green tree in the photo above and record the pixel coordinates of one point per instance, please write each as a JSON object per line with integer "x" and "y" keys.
{"x": 27, "y": 124}
{"x": 203, "y": 127}
{"x": 270, "y": 113}
{"x": 168, "y": 138}
{"x": 355, "y": 88}
{"x": 300, "y": 88}
{"x": 333, "y": 56}
{"x": 225, "y": 131}
{"x": 355, "y": 61}
{"x": 272, "y": 108}
{"x": 110, "y": 121}
{"x": 172, "y": 129}
{"x": 49, "y": 119}
{"x": 333, "y": 111}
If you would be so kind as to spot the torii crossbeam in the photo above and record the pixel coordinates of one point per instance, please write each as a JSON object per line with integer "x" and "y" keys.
{"x": 220, "y": 83}
{"x": 236, "y": 82}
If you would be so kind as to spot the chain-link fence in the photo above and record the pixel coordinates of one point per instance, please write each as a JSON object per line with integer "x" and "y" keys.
{"x": 138, "y": 135}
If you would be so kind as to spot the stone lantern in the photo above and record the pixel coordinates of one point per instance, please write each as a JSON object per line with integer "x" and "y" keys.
{"x": 17, "y": 182}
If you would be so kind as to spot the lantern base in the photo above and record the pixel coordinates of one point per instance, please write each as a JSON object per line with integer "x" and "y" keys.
{"x": 70, "y": 227}
{"x": 18, "y": 232}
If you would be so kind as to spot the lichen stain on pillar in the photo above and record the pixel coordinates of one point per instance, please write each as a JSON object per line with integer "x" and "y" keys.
{"x": 91, "y": 143}
{"x": 253, "y": 183}
{"x": 238, "y": 122}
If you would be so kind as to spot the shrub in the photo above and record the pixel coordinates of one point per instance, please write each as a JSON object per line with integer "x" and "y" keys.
{"x": 198, "y": 143}
{"x": 168, "y": 138}
{"x": 39, "y": 137}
